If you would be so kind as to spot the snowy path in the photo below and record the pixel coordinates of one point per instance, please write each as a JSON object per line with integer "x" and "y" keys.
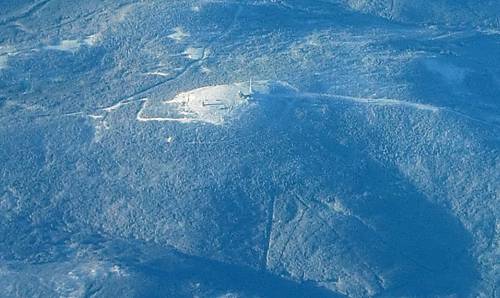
{"x": 215, "y": 104}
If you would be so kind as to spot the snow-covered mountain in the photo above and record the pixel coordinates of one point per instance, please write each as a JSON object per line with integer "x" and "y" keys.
{"x": 249, "y": 148}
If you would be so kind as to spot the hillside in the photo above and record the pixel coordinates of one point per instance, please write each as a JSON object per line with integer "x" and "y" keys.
{"x": 249, "y": 149}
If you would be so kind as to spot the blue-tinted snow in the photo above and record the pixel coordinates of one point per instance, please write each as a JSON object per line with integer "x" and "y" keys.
{"x": 137, "y": 161}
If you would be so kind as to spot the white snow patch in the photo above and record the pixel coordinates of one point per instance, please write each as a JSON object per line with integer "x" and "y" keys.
{"x": 115, "y": 269}
{"x": 158, "y": 73}
{"x": 194, "y": 53}
{"x": 141, "y": 118}
{"x": 67, "y": 45}
{"x": 93, "y": 39}
{"x": 490, "y": 31}
{"x": 8, "y": 50}
{"x": 115, "y": 106}
{"x": 73, "y": 45}
{"x": 213, "y": 104}
{"x": 178, "y": 34}
{"x": 339, "y": 207}
{"x": 96, "y": 117}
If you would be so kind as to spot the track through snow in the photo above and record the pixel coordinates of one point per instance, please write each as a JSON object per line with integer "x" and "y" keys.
{"x": 218, "y": 104}
{"x": 221, "y": 103}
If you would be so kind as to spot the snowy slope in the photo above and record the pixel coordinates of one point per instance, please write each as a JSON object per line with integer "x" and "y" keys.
{"x": 463, "y": 13}
{"x": 137, "y": 161}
